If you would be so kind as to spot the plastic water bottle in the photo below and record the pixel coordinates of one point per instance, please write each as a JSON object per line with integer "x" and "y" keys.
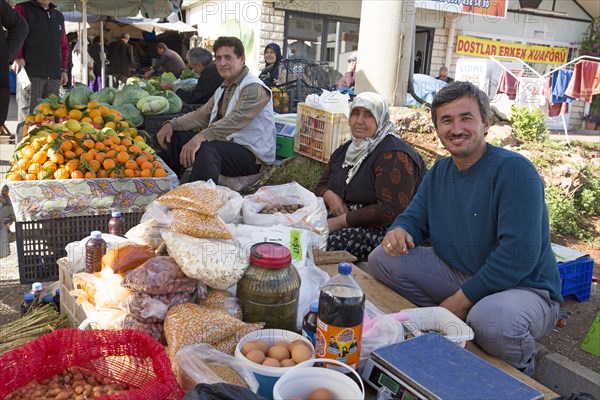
{"x": 116, "y": 225}
{"x": 36, "y": 291}
{"x": 27, "y": 303}
{"x": 309, "y": 323}
{"x": 47, "y": 299}
{"x": 340, "y": 319}
{"x": 95, "y": 248}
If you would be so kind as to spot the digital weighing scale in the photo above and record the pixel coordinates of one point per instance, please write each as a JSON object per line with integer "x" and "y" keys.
{"x": 432, "y": 367}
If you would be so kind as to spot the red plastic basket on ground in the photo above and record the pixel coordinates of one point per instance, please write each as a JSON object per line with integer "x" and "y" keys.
{"x": 125, "y": 356}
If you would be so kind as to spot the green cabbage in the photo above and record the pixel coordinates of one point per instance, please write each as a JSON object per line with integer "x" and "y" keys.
{"x": 78, "y": 97}
{"x": 188, "y": 73}
{"x": 106, "y": 95}
{"x": 131, "y": 114}
{"x": 129, "y": 94}
{"x": 168, "y": 77}
{"x": 153, "y": 105}
{"x": 175, "y": 102}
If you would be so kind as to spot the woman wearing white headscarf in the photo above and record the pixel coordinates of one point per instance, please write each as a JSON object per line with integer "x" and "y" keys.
{"x": 369, "y": 180}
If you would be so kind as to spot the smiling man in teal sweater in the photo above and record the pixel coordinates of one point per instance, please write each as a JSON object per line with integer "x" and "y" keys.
{"x": 483, "y": 209}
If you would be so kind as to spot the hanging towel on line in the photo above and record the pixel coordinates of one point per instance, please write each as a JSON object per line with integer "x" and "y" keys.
{"x": 507, "y": 83}
{"x": 554, "y": 109}
{"x": 560, "y": 82}
{"x": 585, "y": 81}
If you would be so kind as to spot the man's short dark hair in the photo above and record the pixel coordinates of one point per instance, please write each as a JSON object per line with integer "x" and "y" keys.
{"x": 198, "y": 55}
{"x": 161, "y": 45}
{"x": 456, "y": 90}
{"x": 229, "y": 41}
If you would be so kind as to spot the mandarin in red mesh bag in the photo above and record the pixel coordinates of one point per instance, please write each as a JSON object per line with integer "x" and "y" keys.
{"x": 128, "y": 357}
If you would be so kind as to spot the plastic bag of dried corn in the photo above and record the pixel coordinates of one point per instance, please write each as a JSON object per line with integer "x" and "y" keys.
{"x": 190, "y": 323}
{"x": 198, "y": 225}
{"x": 222, "y": 300}
{"x": 200, "y": 196}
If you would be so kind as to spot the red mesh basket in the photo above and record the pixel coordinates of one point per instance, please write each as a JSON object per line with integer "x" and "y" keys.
{"x": 126, "y": 356}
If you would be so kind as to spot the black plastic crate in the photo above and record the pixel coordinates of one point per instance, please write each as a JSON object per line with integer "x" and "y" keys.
{"x": 287, "y": 96}
{"x": 313, "y": 73}
{"x": 153, "y": 123}
{"x": 41, "y": 243}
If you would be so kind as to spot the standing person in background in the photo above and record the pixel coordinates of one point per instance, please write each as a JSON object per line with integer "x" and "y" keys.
{"x": 209, "y": 80}
{"x": 443, "y": 75}
{"x": 273, "y": 65}
{"x": 120, "y": 56}
{"x": 169, "y": 61}
{"x": 95, "y": 53}
{"x": 71, "y": 42}
{"x": 347, "y": 81}
{"x": 44, "y": 54}
{"x": 17, "y": 30}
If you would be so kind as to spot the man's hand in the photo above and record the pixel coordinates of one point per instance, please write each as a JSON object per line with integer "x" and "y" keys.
{"x": 163, "y": 137}
{"x": 18, "y": 64}
{"x": 334, "y": 203}
{"x": 397, "y": 242}
{"x": 352, "y": 66}
{"x": 149, "y": 73}
{"x": 167, "y": 85}
{"x": 189, "y": 150}
{"x": 64, "y": 78}
{"x": 458, "y": 304}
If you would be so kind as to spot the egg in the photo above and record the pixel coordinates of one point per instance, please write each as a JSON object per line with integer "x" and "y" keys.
{"x": 278, "y": 352}
{"x": 250, "y": 345}
{"x": 320, "y": 394}
{"x": 256, "y": 355}
{"x": 271, "y": 362}
{"x": 301, "y": 353}
{"x": 287, "y": 363}
{"x": 282, "y": 343}
{"x": 299, "y": 343}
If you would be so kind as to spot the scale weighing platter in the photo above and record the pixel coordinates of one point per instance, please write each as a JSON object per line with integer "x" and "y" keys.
{"x": 432, "y": 367}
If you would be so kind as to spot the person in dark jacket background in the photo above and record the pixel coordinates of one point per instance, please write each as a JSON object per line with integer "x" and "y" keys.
{"x": 44, "y": 54}
{"x": 273, "y": 65}
{"x": 16, "y": 32}
{"x": 120, "y": 56}
{"x": 209, "y": 80}
{"x": 169, "y": 61}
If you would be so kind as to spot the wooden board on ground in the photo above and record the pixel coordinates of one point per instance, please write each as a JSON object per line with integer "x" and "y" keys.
{"x": 389, "y": 301}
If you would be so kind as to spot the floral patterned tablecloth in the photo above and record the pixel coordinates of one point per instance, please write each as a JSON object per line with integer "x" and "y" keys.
{"x": 38, "y": 200}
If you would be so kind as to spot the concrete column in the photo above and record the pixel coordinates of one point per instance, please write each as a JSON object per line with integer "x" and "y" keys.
{"x": 384, "y": 48}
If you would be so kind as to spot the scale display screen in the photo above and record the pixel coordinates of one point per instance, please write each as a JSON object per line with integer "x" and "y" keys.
{"x": 380, "y": 378}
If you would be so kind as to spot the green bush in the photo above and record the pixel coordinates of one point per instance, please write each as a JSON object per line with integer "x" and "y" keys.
{"x": 529, "y": 125}
{"x": 564, "y": 216}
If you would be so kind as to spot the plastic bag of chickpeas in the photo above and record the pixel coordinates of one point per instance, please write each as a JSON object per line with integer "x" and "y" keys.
{"x": 202, "y": 363}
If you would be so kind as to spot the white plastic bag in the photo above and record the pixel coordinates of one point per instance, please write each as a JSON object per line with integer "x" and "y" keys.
{"x": 312, "y": 216}
{"x": 102, "y": 291}
{"x": 312, "y": 279}
{"x": 385, "y": 331}
{"x": 330, "y": 101}
{"x": 298, "y": 241}
{"x": 231, "y": 212}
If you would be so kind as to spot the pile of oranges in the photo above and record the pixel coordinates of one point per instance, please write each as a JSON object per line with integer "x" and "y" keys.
{"x": 76, "y": 149}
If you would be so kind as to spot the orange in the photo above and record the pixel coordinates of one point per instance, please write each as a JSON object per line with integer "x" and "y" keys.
{"x": 72, "y": 165}
{"x": 40, "y": 157}
{"x": 88, "y": 143}
{"x": 99, "y": 146}
{"x": 49, "y": 166}
{"x": 31, "y": 177}
{"x": 94, "y": 113}
{"x": 79, "y": 151}
{"x": 77, "y": 174}
{"x": 69, "y": 155}
{"x": 61, "y": 173}
{"x": 131, "y": 164}
{"x": 124, "y": 125}
{"x": 60, "y": 112}
{"x": 75, "y": 114}
{"x": 57, "y": 158}
{"x": 37, "y": 144}
{"x": 122, "y": 157}
{"x": 39, "y": 118}
{"x": 100, "y": 156}
{"x": 140, "y": 160}
{"x": 14, "y": 176}
{"x": 157, "y": 164}
{"x": 50, "y": 138}
{"x": 44, "y": 175}
{"x": 107, "y": 142}
{"x": 108, "y": 163}
{"x": 103, "y": 110}
{"x": 115, "y": 139}
{"x": 146, "y": 173}
{"x": 95, "y": 165}
{"x": 23, "y": 164}
{"x": 148, "y": 155}
{"x": 129, "y": 173}
{"x": 89, "y": 175}
{"x": 111, "y": 153}
{"x": 102, "y": 174}
{"x": 86, "y": 119}
{"x": 110, "y": 124}
{"x": 146, "y": 165}
{"x": 28, "y": 152}
{"x": 66, "y": 145}
{"x": 34, "y": 168}
{"x": 98, "y": 119}
{"x": 86, "y": 156}
{"x": 159, "y": 173}
{"x": 126, "y": 142}
{"x": 92, "y": 104}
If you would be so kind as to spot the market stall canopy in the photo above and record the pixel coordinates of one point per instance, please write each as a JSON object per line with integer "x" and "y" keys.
{"x": 119, "y": 8}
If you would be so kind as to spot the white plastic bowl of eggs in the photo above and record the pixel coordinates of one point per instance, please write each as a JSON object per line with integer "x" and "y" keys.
{"x": 269, "y": 353}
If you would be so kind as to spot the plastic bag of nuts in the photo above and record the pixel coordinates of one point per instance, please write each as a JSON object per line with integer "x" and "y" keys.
{"x": 280, "y": 208}
{"x": 223, "y": 300}
{"x": 159, "y": 275}
{"x": 154, "y": 329}
{"x": 153, "y": 307}
{"x": 202, "y": 363}
{"x": 199, "y": 196}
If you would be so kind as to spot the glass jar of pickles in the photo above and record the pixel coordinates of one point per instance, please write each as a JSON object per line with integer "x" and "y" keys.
{"x": 270, "y": 287}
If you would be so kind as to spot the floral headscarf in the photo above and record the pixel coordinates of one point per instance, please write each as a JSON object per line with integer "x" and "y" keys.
{"x": 359, "y": 149}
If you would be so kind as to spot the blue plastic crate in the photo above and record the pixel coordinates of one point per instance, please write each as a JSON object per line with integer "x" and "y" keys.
{"x": 577, "y": 278}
